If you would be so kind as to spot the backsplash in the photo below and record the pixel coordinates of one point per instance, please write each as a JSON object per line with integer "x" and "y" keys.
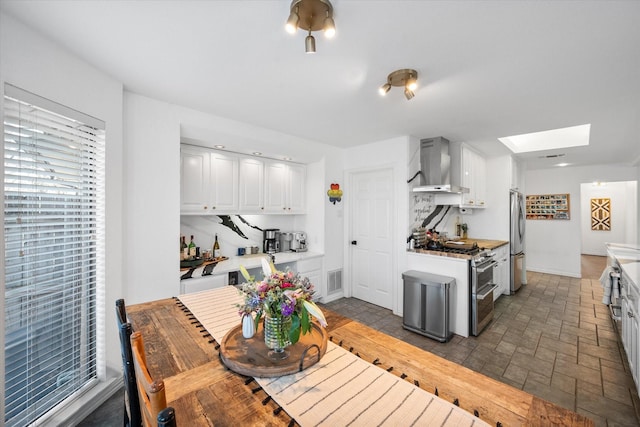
{"x": 425, "y": 213}
{"x": 234, "y": 231}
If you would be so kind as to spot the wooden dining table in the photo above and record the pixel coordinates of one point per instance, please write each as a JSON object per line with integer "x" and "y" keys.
{"x": 204, "y": 392}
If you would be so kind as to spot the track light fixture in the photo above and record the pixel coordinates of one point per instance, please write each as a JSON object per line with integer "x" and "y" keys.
{"x": 311, "y": 15}
{"x": 405, "y": 77}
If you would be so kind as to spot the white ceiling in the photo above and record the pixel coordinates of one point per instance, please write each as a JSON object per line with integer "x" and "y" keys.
{"x": 487, "y": 69}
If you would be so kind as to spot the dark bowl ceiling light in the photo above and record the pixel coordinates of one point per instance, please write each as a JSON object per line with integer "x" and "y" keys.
{"x": 311, "y": 15}
{"x": 405, "y": 77}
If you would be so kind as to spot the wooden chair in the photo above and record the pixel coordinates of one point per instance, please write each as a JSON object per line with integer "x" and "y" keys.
{"x": 132, "y": 416}
{"x": 167, "y": 417}
{"x": 150, "y": 391}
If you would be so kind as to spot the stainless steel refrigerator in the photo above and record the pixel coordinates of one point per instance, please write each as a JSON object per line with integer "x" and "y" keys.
{"x": 516, "y": 240}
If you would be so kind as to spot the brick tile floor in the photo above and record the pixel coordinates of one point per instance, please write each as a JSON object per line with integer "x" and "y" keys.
{"x": 554, "y": 339}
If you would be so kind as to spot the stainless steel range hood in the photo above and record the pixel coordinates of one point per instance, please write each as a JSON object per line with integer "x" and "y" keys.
{"x": 435, "y": 168}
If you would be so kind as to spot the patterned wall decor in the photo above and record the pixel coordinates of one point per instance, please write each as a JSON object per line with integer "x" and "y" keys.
{"x": 601, "y": 214}
{"x": 548, "y": 206}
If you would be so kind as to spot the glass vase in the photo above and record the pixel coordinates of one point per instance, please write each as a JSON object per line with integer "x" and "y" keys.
{"x": 276, "y": 335}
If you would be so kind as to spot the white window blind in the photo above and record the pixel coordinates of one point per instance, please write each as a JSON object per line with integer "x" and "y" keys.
{"x": 53, "y": 223}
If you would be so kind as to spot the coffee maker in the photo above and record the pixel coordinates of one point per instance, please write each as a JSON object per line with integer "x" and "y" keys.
{"x": 299, "y": 241}
{"x": 271, "y": 244}
{"x": 285, "y": 241}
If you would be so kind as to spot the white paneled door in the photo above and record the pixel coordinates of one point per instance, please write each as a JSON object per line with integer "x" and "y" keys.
{"x": 371, "y": 236}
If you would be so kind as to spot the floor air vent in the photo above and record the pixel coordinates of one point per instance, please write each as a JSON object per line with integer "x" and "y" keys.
{"x": 334, "y": 281}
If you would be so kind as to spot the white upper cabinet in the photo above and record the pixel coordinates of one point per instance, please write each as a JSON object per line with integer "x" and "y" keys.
{"x": 297, "y": 177}
{"x": 208, "y": 181}
{"x": 275, "y": 187}
{"x": 223, "y": 184}
{"x": 194, "y": 180}
{"x": 219, "y": 182}
{"x": 474, "y": 177}
{"x": 251, "y": 185}
{"x": 516, "y": 179}
{"x": 284, "y": 188}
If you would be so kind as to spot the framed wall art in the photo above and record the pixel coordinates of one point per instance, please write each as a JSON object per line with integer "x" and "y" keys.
{"x": 548, "y": 206}
{"x": 601, "y": 214}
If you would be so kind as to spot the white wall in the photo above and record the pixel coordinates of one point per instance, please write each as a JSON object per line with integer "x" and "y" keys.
{"x": 624, "y": 209}
{"x": 153, "y": 132}
{"x": 35, "y": 64}
{"x": 391, "y": 153}
{"x": 152, "y": 199}
{"x": 553, "y": 246}
{"x": 492, "y": 222}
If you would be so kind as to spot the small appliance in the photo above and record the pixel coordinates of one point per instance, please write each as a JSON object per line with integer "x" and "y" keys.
{"x": 271, "y": 243}
{"x": 285, "y": 241}
{"x": 299, "y": 241}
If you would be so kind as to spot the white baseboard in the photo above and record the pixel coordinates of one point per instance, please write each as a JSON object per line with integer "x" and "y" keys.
{"x": 556, "y": 272}
{"x": 332, "y": 297}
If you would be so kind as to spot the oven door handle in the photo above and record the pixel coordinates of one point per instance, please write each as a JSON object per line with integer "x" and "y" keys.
{"x": 492, "y": 287}
{"x": 491, "y": 265}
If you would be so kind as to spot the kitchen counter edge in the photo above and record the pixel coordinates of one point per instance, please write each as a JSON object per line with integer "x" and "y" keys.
{"x": 628, "y": 256}
{"x": 253, "y": 261}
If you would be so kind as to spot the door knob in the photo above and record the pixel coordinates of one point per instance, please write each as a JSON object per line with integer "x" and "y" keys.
{"x": 354, "y": 242}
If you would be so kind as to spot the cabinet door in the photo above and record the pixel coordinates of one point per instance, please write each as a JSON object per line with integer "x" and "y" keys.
{"x": 479, "y": 180}
{"x": 296, "y": 189}
{"x": 468, "y": 199}
{"x": 474, "y": 177}
{"x": 634, "y": 358}
{"x": 275, "y": 187}
{"x": 194, "y": 180}
{"x": 626, "y": 327}
{"x": 224, "y": 183}
{"x": 501, "y": 273}
{"x": 251, "y": 184}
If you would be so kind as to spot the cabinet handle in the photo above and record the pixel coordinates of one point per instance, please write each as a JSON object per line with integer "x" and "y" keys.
{"x": 213, "y": 207}
{"x": 262, "y": 207}
{"x": 205, "y": 208}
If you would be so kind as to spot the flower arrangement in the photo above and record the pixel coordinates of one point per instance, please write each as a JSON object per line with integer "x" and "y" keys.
{"x": 280, "y": 294}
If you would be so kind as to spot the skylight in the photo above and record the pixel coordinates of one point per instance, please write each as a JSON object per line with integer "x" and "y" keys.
{"x": 574, "y": 136}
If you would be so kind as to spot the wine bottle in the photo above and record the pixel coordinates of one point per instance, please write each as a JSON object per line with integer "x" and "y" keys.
{"x": 216, "y": 248}
{"x": 192, "y": 247}
{"x": 184, "y": 249}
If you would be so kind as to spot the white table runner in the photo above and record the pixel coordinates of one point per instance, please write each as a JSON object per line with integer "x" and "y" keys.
{"x": 341, "y": 389}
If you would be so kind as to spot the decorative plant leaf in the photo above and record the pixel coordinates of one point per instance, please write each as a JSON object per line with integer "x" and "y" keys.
{"x": 257, "y": 319}
{"x": 294, "y": 332}
{"x": 306, "y": 324}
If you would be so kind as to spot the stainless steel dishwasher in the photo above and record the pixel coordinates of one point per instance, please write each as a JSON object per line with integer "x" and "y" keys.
{"x": 426, "y": 304}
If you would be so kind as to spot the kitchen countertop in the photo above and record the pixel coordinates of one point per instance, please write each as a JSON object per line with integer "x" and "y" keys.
{"x": 251, "y": 261}
{"x": 486, "y": 243}
{"x": 628, "y": 256}
{"x": 482, "y": 244}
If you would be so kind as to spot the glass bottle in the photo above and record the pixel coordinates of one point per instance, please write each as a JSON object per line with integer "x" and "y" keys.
{"x": 184, "y": 250}
{"x": 192, "y": 247}
{"x": 216, "y": 248}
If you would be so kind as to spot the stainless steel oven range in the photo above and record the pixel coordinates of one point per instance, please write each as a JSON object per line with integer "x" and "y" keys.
{"x": 481, "y": 292}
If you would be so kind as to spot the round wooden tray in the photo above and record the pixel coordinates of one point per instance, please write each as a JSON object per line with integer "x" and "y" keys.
{"x": 249, "y": 356}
